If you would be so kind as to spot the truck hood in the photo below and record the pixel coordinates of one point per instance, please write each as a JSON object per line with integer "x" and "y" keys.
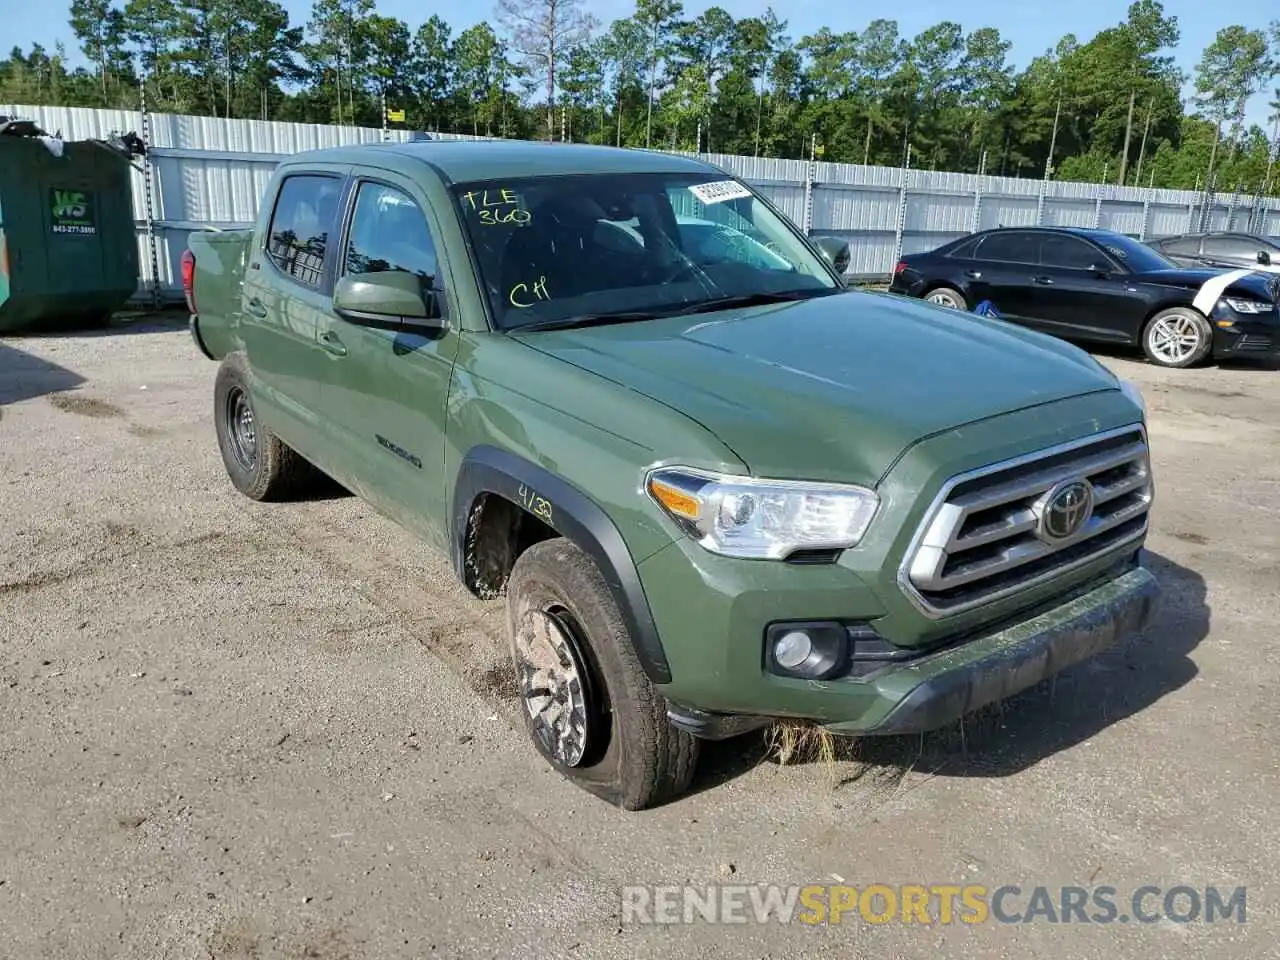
{"x": 831, "y": 388}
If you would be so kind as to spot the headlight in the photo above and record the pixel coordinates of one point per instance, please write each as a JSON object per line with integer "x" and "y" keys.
{"x": 762, "y": 519}
{"x": 1248, "y": 306}
{"x": 1130, "y": 390}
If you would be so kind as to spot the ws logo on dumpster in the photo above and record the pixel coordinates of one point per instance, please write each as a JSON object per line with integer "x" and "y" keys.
{"x": 72, "y": 212}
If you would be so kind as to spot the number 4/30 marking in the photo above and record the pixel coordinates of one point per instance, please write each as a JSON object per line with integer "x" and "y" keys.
{"x": 540, "y": 507}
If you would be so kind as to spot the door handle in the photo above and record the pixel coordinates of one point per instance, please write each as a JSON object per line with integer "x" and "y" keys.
{"x": 256, "y": 307}
{"x": 1043, "y": 281}
{"x": 330, "y": 342}
{"x": 973, "y": 274}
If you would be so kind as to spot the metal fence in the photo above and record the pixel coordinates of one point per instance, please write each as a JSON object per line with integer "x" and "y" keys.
{"x": 210, "y": 172}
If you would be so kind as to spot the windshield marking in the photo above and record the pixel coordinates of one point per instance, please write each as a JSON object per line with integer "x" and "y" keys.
{"x": 495, "y": 207}
{"x": 539, "y": 293}
{"x": 718, "y": 191}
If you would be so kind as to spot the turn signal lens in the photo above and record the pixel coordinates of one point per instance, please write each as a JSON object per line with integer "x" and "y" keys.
{"x": 676, "y": 501}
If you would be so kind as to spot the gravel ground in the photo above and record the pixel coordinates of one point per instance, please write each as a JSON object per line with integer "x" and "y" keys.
{"x": 236, "y": 730}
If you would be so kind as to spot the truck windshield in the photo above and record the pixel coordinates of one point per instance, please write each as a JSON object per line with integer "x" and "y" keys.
{"x": 627, "y": 245}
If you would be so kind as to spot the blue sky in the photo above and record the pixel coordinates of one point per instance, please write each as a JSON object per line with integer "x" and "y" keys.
{"x": 1031, "y": 25}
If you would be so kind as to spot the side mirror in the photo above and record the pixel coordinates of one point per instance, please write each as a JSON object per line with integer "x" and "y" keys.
{"x": 835, "y": 250}
{"x": 1264, "y": 258}
{"x": 393, "y": 299}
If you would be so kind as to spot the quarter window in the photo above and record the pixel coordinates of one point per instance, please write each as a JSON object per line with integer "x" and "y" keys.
{"x": 389, "y": 233}
{"x": 301, "y": 225}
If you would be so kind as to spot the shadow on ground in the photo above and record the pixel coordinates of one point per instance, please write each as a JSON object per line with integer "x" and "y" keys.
{"x": 1006, "y": 738}
{"x": 123, "y": 323}
{"x": 23, "y": 376}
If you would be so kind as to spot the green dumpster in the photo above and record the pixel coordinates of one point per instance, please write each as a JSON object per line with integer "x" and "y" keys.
{"x": 68, "y": 249}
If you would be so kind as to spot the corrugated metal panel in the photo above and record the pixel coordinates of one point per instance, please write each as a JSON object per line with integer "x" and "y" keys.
{"x": 213, "y": 171}
{"x": 1061, "y": 212}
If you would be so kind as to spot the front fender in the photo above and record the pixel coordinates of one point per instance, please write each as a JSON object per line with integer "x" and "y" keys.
{"x": 572, "y": 514}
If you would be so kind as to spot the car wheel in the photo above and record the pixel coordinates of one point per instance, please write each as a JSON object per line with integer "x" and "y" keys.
{"x": 586, "y": 701}
{"x": 259, "y": 464}
{"x": 1177, "y": 337}
{"x": 947, "y": 297}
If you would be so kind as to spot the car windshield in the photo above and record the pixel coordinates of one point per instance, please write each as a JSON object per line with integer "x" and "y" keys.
{"x": 593, "y": 247}
{"x": 1132, "y": 253}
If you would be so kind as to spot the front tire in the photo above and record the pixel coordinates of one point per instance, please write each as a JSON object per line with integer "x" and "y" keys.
{"x": 947, "y": 297}
{"x": 259, "y": 464}
{"x": 588, "y": 706}
{"x": 1177, "y": 337}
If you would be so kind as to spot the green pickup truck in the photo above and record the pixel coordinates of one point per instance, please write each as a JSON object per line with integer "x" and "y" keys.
{"x": 715, "y": 486}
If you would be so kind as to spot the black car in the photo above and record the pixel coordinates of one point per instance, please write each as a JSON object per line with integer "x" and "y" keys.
{"x": 1095, "y": 285}
{"x": 1229, "y": 250}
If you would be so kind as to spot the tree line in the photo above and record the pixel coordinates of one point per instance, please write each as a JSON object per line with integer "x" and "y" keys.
{"x": 1108, "y": 109}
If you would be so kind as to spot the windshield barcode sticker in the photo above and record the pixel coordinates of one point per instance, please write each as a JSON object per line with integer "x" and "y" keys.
{"x": 719, "y": 191}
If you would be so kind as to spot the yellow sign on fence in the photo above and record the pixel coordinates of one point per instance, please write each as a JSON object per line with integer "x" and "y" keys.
{"x": 395, "y": 116}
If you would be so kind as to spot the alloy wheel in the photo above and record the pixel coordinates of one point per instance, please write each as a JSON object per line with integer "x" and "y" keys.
{"x": 554, "y": 686}
{"x": 1173, "y": 339}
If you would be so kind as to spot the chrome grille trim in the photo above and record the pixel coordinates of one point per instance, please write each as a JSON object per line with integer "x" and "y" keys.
{"x": 978, "y": 532}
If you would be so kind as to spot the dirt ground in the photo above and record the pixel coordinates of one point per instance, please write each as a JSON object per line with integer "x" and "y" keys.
{"x": 235, "y": 730}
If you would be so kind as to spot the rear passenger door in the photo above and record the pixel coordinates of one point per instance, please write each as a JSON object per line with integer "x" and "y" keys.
{"x": 1001, "y": 272}
{"x": 287, "y": 289}
{"x": 385, "y": 390}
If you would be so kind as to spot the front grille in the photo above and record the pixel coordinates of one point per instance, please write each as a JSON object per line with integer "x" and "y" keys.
{"x": 987, "y": 535}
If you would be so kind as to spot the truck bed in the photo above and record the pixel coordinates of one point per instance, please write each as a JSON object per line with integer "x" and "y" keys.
{"x": 218, "y": 275}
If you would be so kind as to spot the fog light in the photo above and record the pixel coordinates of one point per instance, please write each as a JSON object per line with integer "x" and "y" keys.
{"x": 815, "y": 650}
{"x": 792, "y": 649}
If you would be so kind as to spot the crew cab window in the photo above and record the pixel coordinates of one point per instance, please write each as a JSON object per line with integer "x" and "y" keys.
{"x": 1017, "y": 247}
{"x": 301, "y": 224}
{"x": 1068, "y": 253}
{"x": 389, "y": 232}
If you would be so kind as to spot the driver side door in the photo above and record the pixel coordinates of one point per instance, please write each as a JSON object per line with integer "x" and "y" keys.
{"x": 387, "y": 386}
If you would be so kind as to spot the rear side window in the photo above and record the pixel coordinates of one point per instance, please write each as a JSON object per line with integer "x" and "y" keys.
{"x": 1185, "y": 246}
{"x": 964, "y": 251}
{"x": 301, "y": 226}
{"x": 1014, "y": 247}
{"x": 389, "y": 232}
{"x": 1068, "y": 253}
{"x": 1244, "y": 248}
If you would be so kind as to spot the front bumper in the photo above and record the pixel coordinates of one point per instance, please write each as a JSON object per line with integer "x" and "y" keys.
{"x": 1256, "y": 335}
{"x": 943, "y": 687}
{"x": 938, "y": 687}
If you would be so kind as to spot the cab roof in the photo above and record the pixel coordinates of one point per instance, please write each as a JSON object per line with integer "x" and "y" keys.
{"x": 478, "y": 160}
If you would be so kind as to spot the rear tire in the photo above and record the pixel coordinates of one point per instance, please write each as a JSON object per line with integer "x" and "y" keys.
{"x": 947, "y": 297}
{"x": 588, "y": 706}
{"x": 259, "y": 464}
{"x": 1178, "y": 337}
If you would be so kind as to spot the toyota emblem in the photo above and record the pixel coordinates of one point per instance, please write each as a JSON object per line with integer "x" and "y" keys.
{"x": 1065, "y": 510}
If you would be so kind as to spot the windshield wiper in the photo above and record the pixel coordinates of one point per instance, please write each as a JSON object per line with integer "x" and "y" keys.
{"x": 702, "y": 306}
{"x": 587, "y": 320}
{"x": 748, "y": 300}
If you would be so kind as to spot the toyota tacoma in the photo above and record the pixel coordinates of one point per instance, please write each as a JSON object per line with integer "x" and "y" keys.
{"x": 715, "y": 487}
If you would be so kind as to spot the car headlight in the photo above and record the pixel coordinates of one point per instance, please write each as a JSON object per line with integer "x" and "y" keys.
{"x": 762, "y": 519}
{"x": 1248, "y": 306}
{"x": 1130, "y": 390}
